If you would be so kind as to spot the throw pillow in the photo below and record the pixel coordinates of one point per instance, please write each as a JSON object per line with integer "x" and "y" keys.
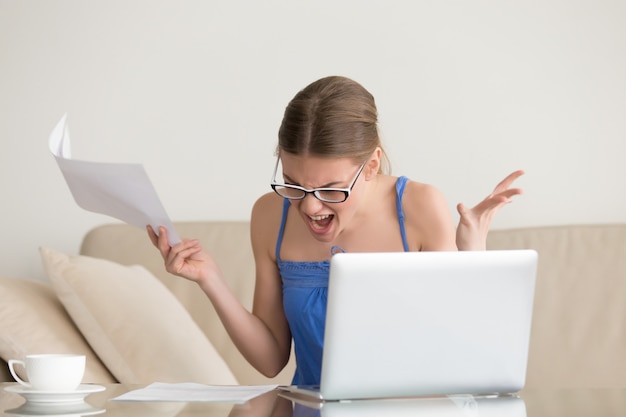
{"x": 133, "y": 322}
{"x": 32, "y": 320}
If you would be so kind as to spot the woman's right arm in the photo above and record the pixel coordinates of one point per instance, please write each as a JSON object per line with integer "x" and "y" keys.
{"x": 268, "y": 292}
{"x": 260, "y": 336}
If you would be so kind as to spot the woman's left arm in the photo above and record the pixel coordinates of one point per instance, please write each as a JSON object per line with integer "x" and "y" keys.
{"x": 471, "y": 233}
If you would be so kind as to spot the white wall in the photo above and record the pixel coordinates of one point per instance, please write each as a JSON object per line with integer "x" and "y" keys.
{"x": 467, "y": 91}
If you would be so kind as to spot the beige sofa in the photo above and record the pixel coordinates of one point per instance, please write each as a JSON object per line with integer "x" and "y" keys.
{"x": 134, "y": 330}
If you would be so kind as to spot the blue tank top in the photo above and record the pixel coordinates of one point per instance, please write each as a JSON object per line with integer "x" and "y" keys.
{"x": 305, "y": 290}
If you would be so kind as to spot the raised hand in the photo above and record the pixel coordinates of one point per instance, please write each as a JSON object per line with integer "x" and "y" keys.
{"x": 186, "y": 259}
{"x": 471, "y": 233}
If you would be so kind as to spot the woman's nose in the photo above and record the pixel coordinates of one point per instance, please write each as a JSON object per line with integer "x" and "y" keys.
{"x": 310, "y": 204}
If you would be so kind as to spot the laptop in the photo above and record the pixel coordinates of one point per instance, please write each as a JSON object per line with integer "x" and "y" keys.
{"x": 426, "y": 324}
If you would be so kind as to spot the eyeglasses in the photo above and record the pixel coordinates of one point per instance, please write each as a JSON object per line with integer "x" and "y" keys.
{"x": 327, "y": 195}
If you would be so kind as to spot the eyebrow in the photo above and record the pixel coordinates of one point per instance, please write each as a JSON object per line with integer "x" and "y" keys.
{"x": 292, "y": 182}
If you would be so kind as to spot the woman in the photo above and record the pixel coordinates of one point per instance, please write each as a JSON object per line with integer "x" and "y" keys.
{"x": 334, "y": 195}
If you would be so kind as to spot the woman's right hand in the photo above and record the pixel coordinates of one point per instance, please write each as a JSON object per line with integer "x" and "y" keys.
{"x": 186, "y": 259}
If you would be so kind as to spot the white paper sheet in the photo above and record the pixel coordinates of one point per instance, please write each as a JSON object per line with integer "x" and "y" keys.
{"x": 119, "y": 190}
{"x": 192, "y": 392}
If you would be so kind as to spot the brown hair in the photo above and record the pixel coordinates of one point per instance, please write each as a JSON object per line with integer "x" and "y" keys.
{"x": 332, "y": 117}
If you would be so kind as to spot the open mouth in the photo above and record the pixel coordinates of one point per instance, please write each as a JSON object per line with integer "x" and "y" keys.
{"x": 320, "y": 223}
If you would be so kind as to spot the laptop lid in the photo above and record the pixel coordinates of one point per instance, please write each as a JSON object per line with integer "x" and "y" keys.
{"x": 427, "y": 323}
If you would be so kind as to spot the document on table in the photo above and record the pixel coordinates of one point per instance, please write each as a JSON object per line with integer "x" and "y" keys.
{"x": 119, "y": 190}
{"x": 192, "y": 392}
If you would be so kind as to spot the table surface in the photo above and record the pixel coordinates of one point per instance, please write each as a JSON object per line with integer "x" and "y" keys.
{"x": 530, "y": 403}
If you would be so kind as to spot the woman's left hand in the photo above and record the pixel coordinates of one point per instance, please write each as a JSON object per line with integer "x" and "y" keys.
{"x": 471, "y": 234}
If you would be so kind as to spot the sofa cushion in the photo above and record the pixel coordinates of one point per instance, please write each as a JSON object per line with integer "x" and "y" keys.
{"x": 137, "y": 327}
{"x": 32, "y": 320}
{"x": 579, "y": 320}
{"x": 229, "y": 244}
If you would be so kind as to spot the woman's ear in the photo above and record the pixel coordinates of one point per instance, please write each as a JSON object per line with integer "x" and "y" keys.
{"x": 372, "y": 166}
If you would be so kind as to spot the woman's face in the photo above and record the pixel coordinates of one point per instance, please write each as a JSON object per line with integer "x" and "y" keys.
{"x": 325, "y": 221}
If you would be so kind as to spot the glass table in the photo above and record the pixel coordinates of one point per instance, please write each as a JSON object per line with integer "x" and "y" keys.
{"x": 531, "y": 403}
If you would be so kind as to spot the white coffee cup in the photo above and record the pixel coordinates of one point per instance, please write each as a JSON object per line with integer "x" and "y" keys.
{"x": 51, "y": 372}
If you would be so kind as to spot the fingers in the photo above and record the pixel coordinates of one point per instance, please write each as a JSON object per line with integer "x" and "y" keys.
{"x": 492, "y": 203}
{"x": 182, "y": 259}
{"x": 159, "y": 240}
{"x": 152, "y": 235}
{"x": 180, "y": 255}
{"x": 507, "y": 194}
{"x": 162, "y": 242}
{"x": 461, "y": 209}
{"x": 475, "y": 222}
{"x": 183, "y": 250}
{"x": 506, "y": 183}
{"x": 465, "y": 215}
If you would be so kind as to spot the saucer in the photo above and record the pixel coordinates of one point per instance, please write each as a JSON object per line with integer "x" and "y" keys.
{"x": 81, "y": 408}
{"x": 36, "y": 396}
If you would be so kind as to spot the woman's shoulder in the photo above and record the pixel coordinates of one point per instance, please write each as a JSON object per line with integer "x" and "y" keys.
{"x": 267, "y": 212}
{"x": 267, "y": 204}
{"x": 415, "y": 192}
{"x": 422, "y": 193}
{"x": 427, "y": 214}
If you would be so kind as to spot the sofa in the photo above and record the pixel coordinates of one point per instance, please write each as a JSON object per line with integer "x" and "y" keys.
{"x": 114, "y": 302}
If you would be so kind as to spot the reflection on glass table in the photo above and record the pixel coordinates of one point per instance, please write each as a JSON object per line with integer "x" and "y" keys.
{"x": 75, "y": 409}
{"x": 531, "y": 403}
{"x": 451, "y": 406}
